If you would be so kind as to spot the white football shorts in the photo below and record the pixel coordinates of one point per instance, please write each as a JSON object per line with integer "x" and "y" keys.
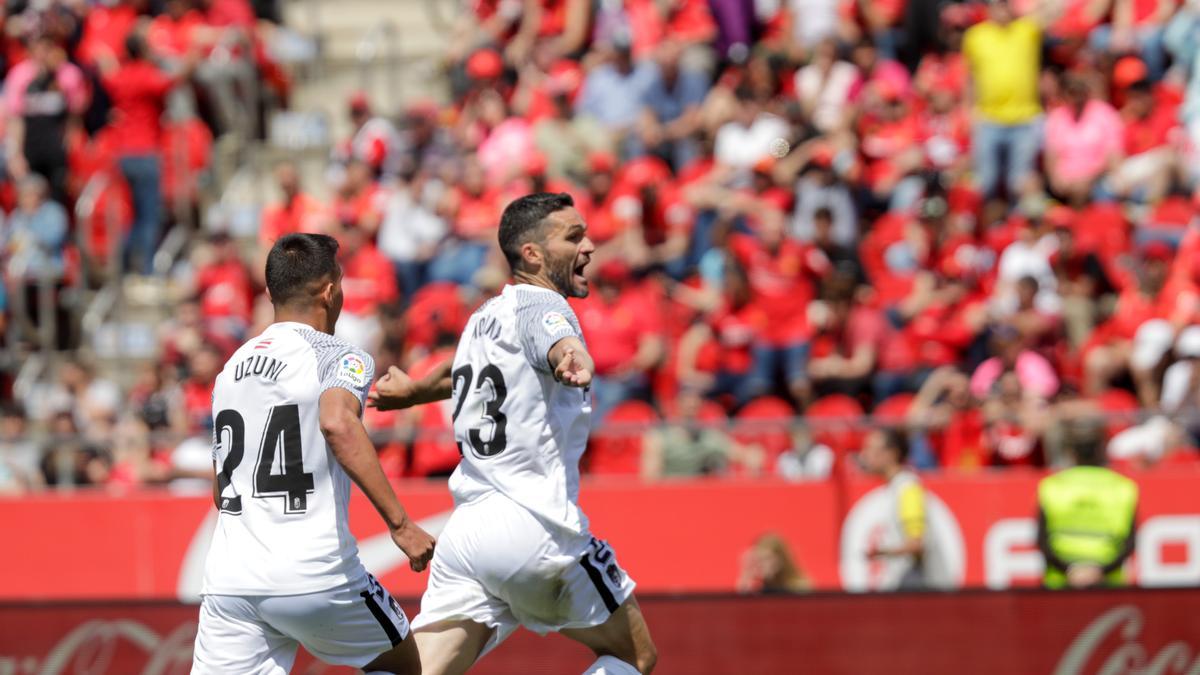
{"x": 498, "y": 565}
{"x": 257, "y": 635}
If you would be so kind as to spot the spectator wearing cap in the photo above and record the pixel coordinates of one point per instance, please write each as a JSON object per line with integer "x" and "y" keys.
{"x": 373, "y": 140}
{"x": 43, "y": 96}
{"x": 139, "y": 89}
{"x": 1151, "y": 158}
{"x": 1003, "y": 54}
{"x": 1136, "y": 25}
{"x": 1083, "y": 142}
{"x": 623, "y": 323}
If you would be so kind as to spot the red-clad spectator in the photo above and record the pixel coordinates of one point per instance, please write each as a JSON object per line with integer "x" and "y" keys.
{"x": 139, "y": 90}
{"x": 1150, "y": 160}
{"x": 625, "y": 336}
{"x": 1014, "y": 421}
{"x": 203, "y": 367}
{"x": 891, "y": 142}
{"x": 224, "y": 288}
{"x": 43, "y": 96}
{"x": 187, "y": 152}
{"x": 864, "y": 21}
{"x": 949, "y": 419}
{"x": 783, "y": 275}
{"x": 360, "y": 201}
{"x": 716, "y": 355}
{"x": 296, "y": 212}
{"x": 368, "y": 286}
{"x": 373, "y": 140}
{"x": 105, "y": 30}
{"x": 177, "y": 31}
{"x": 846, "y": 347}
{"x": 558, "y": 26}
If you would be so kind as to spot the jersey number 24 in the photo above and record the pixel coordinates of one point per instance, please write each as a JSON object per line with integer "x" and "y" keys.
{"x": 293, "y": 485}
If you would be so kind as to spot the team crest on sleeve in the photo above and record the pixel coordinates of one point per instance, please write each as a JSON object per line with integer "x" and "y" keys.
{"x": 352, "y": 369}
{"x": 555, "y": 322}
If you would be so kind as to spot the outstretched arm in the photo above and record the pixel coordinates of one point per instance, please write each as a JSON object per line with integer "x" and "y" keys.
{"x": 572, "y": 364}
{"x": 352, "y": 448}
{"x": 397, "y": 390}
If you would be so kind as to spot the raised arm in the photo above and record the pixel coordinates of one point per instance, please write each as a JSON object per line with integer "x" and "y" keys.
{"x": 571, "y": 363}
{"x": 348, "y": 440}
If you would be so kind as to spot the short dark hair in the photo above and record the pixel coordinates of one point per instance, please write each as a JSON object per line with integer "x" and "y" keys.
{"x": 523, "y": 220}
{"x": 895, "y": 438}
{"x": 296, "y": 262}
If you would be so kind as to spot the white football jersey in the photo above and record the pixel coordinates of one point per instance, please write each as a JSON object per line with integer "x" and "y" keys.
{"x": 520, "y": 432}
{"x": 282, "y": 527}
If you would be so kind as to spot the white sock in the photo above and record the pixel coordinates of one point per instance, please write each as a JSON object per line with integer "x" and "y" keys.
{"x": 610, "y": 665}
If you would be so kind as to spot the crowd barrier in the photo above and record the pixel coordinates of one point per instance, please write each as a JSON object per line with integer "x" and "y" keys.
{"x": 673, "y": 537}
{"x": 1149, "y": 631}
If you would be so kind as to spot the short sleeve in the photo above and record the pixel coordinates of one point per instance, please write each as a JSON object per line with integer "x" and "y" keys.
{"x": 542, "y": 320}
{"x": 349, "y": 368}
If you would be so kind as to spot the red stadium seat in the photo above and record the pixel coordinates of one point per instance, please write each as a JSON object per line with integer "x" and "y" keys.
{"x": 1117, "y": 402}
{"x": 620, "y": 454}
{"x": 767, "y": 424}
{"x": 836, "y": 421}
{"x": 894, "y": 411}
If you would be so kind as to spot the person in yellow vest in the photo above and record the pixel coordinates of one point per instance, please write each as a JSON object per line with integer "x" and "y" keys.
{"x": 1087, "y": 517}
{"x": 1003, "y": 55}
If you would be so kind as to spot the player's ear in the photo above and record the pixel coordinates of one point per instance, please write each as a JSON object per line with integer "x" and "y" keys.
{"x": 532, "y": 254}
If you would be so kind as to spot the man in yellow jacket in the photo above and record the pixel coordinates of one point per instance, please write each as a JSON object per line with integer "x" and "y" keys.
{"x": 1087, "y": 518}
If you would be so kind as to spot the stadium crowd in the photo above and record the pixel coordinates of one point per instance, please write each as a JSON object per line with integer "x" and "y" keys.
{"x": 974, "y": 221}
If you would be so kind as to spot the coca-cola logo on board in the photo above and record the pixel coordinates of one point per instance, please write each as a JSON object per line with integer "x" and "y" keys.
{"x": 106, "y": 646}
{"x": 1131, "y": 656}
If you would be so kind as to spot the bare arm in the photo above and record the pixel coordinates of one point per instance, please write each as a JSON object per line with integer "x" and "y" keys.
{"x": 571, "y": 363}
{"x": 397, "y": 390}
{"x": 347, "y": 439}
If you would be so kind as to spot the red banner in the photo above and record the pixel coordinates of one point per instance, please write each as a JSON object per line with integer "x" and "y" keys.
{"x": 1066, "y": 633}
{"x": 672, "y": 537}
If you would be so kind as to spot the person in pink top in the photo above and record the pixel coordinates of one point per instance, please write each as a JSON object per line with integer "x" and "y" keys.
{"x": 1033, "y": 371}
{"x": 43, "y": 96}
{"x": 1084, "y": 140}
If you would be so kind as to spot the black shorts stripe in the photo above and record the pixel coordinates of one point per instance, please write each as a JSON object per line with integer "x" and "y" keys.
{"x": 597, "y": 578}
{"x": 382, "y": 618}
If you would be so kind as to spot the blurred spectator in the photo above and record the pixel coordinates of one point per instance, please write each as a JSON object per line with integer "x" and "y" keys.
{"x": 625, "y": 338}
{"x": 1136, "y": 25}
{"x": 44, "y": 96}
{"x": 203, "y": 367}
{"x": 825, "y": 87}
{"x": 1083, "y": 142}
{"x": 191, "y": 467}
{"x": 35, "y": 236}
{"x": 1004, "y": 56}
{"x": 374, "y": 141}
{"x": 690, "y": 446}
{"x": 616, "y": 91}
{"x": 414, "y": 223}
{"x": 806, "y": 459}
{"x": 67, "y": 460}
{"x": 1034, "y": 373}
{"x": 908, "y": 554}
{"x": 1087, "y": 517}
{"x": 846, "y": 347}
{"x": 368, "y": 286}
{"x": 297, "y": 210}
{"x": 133, "y": 462}
{"x": 20, "y": 457}
{"x": 716, "y": 354}
{"x": 156, "y": 397}
{"x": 768, "y": 568}
{"x": 749, "y": 136}
{"x": 947, "y": 423}
{"x": 223, "y": 286}
{"x": 1150, "y": 149}
{"x": 821, "y": 186}
{"x": 360, "y": 200}
{"x": 139, "y": 90}
{"x": 476, "y": 209}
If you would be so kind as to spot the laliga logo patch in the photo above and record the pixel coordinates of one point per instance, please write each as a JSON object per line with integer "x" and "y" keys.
{"x": 555, "y": 323}
{"x": 353, "y": 370}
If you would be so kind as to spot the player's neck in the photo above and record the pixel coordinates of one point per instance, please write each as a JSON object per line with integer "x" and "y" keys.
{"x": 522, "y": 277}
{"x": 316, "y": 318}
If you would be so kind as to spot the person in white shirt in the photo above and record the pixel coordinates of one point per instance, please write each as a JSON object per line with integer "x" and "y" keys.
{"x": 518, "y": 550}
{"x": 283, "y": 569}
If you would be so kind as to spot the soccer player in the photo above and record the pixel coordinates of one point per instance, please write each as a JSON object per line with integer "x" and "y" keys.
{"x": 288, "y": 438}
{"x": 517, "y": 549}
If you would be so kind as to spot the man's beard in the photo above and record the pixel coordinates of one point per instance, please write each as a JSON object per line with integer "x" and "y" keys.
{"x": 562, "y": 276}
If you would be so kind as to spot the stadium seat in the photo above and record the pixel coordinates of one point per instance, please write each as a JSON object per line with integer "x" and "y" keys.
{"x": 834, "y": 419}
{"x": 894, "y": 411}
{"x": 620, "y": 454}
{"x": 1117, "y": 402}
{"x": 766, "y": 422}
